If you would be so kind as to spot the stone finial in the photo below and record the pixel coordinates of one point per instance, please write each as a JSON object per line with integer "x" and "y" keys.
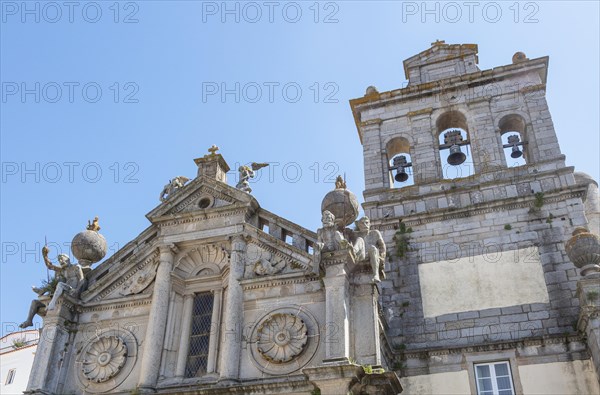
{"x": 213, "y": 150}
{"x": 438, "y": 43}
{"x": 584, "y": 251}
{"x": 519, "y": 57}
{"x": 371, "y": 90}
{"x": 212, "y": 165}
{"x": 89, "y": 246}
{"x": 342, "y": 203}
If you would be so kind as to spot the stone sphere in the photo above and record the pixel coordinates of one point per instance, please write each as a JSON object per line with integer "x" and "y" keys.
{"x": 519, "y": 57}
{"x": 88, "y": 247}
{"x": 583, "y": 248}
{"x": 371, "y": 90}
{"x": 343, "y": 204}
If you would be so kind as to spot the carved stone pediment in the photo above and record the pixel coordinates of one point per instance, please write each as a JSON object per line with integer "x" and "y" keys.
{"x": 204, "y": 196}
{"x": 203, "y": 199}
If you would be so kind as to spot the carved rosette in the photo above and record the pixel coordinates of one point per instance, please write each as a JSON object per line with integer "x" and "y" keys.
{"x": 282, "y": 337}
{"x": 104, "y": 359}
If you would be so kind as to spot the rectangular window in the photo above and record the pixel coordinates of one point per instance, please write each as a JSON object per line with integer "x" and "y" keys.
{"x": 494, "y": 379}
{"x": 10, "y": 377}
{"x": 197, "y": 360}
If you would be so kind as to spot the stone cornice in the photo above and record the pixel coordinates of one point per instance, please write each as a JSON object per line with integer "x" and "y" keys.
{"x": 187, "y": 218}
{"x": 475, "y": 209}
{"x": 412, "y": 92}
{"x": 495, "y": 346}
{"x": 117, "y": 304}
{"x": 280, "y": 385}
{"x": 277, "y": 280}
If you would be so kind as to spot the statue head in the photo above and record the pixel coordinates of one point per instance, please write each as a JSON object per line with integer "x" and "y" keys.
{"x": 328, "y": 219}
{"x": 64, "y": 260}
{"x": 363, "y": 224}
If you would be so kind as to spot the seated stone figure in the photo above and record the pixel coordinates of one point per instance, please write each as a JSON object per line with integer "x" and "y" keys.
{"x": 328, "y": 239}
{"x": 369, "y": 245}
{"x": 70, "y": 280}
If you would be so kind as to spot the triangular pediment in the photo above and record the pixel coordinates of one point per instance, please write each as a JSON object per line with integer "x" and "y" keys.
{"x": 202, "y": 195}
{"x": 441, "y": 61}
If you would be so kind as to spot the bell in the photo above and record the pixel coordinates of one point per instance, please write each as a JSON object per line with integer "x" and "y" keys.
{"x": 456, "y": 157}
{"x": 516, "y": 152}
{"x": 401, "y": 175}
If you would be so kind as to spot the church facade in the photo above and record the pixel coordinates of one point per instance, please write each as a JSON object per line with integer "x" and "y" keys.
{"x": 479, "y": 281}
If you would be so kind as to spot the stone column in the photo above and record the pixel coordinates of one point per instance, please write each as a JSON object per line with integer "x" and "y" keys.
{"x": 184, "y": 340}
{"x": 157, "y": 321}
{"x": 214, "y": 335}
{"x": 233, "y": 314}
{"x": 365, "y": 320}
{"x": 337, "y": 307}
{"x": 486, "y": 143}
{"x": 376, "y": 168}
{"x": 48, "y": 364}
{"x": 425, "y": 155}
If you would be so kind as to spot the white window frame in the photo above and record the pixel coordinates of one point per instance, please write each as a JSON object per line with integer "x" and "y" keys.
{"x": 493, "y": 376}
{"x": 10, "y": 377}
{"x": 494, "y": 357}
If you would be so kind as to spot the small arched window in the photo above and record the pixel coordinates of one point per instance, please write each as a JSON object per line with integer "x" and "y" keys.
{"x": 512, "y": 132}
{"x": 455, "y": 147}
{"x": 399, "y": 162}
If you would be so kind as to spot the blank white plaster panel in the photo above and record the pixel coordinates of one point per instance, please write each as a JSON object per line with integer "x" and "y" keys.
{"x": 494, "y": 279}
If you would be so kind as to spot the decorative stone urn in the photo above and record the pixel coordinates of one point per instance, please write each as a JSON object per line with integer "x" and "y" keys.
{"x": 584, "y": 251}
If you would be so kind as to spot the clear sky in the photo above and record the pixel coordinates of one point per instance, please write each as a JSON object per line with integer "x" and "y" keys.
{"x": 103, "y": 102}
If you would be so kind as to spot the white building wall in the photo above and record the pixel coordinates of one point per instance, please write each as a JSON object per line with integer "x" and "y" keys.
{"x": 21, "y": 360}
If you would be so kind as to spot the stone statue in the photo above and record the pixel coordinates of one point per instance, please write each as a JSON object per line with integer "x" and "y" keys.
{"x": 70, "y": 280}
{"x": 328, "y": 239}
{"x": 340, "y": 183}
{"x": 93, "y": 225}
{"x": 369, "y": 245}
{"x": 246, "y": 173}
{"x": 172, "y": 186}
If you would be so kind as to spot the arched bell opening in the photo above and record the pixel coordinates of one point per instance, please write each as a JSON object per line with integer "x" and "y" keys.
{"x": 454, "y": 145}
{"x": 399, "y": 163}
{"x": 512, "y": 132}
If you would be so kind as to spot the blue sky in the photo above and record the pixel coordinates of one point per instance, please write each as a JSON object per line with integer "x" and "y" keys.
{"x": 126, "y": 100}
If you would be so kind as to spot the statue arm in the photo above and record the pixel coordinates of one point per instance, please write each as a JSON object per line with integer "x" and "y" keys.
{"x": 47, "y": 261}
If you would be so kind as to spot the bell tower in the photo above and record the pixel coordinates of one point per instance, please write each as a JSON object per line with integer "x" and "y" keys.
{"x": 455, "y": 122}
{"x": 465, "y": 180}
